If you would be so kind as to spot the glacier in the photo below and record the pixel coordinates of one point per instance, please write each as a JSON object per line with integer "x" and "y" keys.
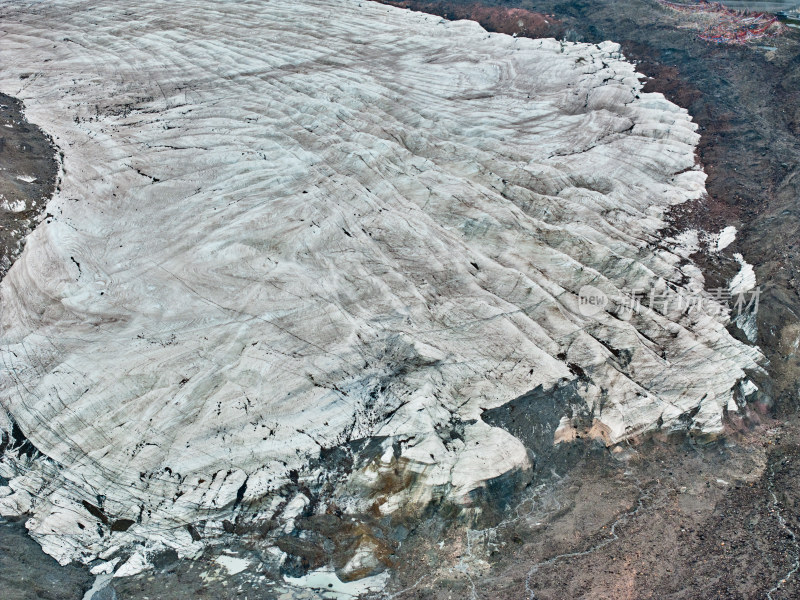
{"x": 282, "y": 227}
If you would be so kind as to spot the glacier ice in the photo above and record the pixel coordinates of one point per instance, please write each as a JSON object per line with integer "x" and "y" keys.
{"x": 283, "y": 226}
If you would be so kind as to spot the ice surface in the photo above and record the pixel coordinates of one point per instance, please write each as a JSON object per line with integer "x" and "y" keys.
{"x": 283, "y": 226}
{"x": 233, "y": 564}
{"x": 745, "y": 279}
{"x": 726, "y": 237}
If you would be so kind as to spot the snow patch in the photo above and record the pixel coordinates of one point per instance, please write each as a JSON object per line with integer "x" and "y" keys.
{"x": 136, "y": 564}
{"x": 233, "y": 564}
{"x": 101, "y": 581}
{"x": 745, "y": 279}
{"x": 104, "y": 568}
{"x": 686, "y": 243}
{"x": 14, "y": 206}
{"x": 724, "y": 238}
{"x": 329, "y": 586}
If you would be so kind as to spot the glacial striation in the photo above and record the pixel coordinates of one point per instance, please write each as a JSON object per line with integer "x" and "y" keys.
{"x": 288, "y": 229}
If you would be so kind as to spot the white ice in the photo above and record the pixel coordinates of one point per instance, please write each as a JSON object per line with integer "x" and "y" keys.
{"x": 286, "y": 225}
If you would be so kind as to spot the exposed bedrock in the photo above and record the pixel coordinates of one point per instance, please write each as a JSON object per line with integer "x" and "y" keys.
{"x": 304, "y": 252}
{"x": 28, "y": 171}
{"x": 499, "y": 19}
